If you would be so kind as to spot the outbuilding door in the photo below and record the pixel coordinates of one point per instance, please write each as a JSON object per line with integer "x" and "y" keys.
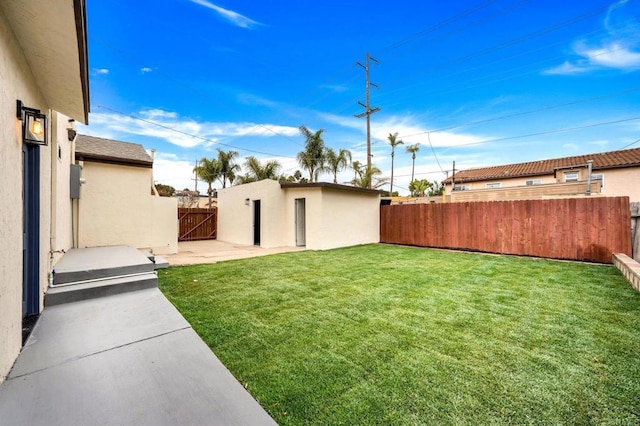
{"x": 301, "y": 231}
{"x": 256, "y": 222}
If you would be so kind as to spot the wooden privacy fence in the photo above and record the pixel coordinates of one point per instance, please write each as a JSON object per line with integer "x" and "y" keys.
{"x": 635, "y": 230}
{"x": 590, "y": 229}
{"x": 197, "y": 224}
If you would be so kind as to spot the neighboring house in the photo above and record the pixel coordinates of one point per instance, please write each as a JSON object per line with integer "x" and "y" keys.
{"x": 611, "y": 175}
{"x": 43, "y": 64}
{"x": 317, "y": 216}
{"x": 118, "y": 203}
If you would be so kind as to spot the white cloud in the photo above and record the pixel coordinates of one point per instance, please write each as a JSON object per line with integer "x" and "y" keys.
{"x": 101, "y": 71}
{"x": 180, "y": 131}
{"x": 567, "y": 68}
{"x": 145, "y": 70}
{"x": 614, "y": 55}
{"x": 170, "y": 170}
{"x": 249, "y": 99}
{"x": 229, "y": 15}
{"x": 618, "y": 50}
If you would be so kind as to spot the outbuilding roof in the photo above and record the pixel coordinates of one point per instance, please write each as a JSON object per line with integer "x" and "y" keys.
{"x": 285, "y": 185}
{"x": 91, "y": 148}
{"x": 601, "y": 160}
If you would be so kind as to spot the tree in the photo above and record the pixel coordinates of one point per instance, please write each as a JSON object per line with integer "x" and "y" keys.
{"x": 413, "y": 149}
{"x": 208, "y": 171}
{"x": 369, "y": 179}
{"x": 335, "y": 162}
{"x": 188, "y": 199}
{"x": 228, "y": 167}
{"x": 165, "y": 190}
{"x": 418, "y": 188}
{"x": 436, "y": 189}
{"x": 393, "y": 141}
{"x": 312, "y": 158}
{"x": 256, "y": 171}
{"x": 356, "y": 166}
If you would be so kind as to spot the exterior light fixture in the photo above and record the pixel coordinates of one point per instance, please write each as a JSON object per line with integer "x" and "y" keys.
{"x": 34, "y": 124}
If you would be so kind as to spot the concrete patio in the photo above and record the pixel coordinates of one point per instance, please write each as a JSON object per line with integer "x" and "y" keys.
{"x": 121, "y": 358}
{"x": 212, "y": 251}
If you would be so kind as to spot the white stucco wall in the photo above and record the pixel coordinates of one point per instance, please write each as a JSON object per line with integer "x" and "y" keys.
{"x": 235, "y": 216}
{"x": 61, "y": 159}
{"x": 622, "y": 182}
{"x": 116, "y": 208}
{"x": 16, "y": 82}
{"x": 334, "y": 217}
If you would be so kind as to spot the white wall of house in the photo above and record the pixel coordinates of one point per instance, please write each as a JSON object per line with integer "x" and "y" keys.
{"x": 116, "y": 208}
{"x": 621, "y": 182}
{"x": 62, "y": 155}
{"x": 334, "y": 217}
{"x": 16, "y": 82}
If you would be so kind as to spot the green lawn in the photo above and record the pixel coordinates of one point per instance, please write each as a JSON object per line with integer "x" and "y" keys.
{"x": 401, "y": 335}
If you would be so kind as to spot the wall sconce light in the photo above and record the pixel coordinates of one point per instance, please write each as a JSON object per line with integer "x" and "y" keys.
{"x": 246, "y": 201}
{"x": 34, "y": 124}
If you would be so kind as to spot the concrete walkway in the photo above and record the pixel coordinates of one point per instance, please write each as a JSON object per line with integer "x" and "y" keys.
{"x": 124, "y": 359}
{"x": 212, "y": 251}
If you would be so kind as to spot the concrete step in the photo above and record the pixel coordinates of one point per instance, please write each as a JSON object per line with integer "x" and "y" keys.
{"x": 99, "y": 288}
{"x": 158, "y": 261}
{"x": 88, "y": 264}
{"x": 161, "y": 262}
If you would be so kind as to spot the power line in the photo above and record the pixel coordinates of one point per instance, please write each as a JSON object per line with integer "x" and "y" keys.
{"x": 567, "y": 129}
{"x": 632, "y": 143}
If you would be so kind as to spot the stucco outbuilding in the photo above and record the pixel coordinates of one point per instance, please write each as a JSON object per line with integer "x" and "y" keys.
{"x": 317, "y": 216}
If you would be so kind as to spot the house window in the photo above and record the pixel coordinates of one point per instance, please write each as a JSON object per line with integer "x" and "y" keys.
{"x": 600, "y": 177}
{"x": 462, "y": 188}
{"x": 570, "y": 176}
{"x": 533, "y": 182}
{"x": 492, "y": 185}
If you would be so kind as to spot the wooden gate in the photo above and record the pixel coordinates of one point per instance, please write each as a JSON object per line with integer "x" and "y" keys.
{"x": 198, "y": 224}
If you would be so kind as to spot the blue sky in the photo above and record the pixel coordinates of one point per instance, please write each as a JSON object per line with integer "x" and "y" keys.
{"x": 481, "y": 82}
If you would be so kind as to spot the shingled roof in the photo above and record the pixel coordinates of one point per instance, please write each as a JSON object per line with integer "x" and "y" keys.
{"x": 601, "y": 160}
{"x": 91, "y": 148}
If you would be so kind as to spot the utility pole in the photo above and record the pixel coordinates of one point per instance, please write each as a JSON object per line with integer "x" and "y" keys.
{"x": 367, "y": 112}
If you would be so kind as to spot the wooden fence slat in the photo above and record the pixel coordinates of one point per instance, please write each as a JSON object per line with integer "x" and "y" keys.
{"x": 590, "y": 229}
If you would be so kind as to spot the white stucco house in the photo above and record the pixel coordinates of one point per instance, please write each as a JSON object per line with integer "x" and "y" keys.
{"x": 317, "y": 216}
{"x": 119, "y": 204}
{"x": 43, "y": 85}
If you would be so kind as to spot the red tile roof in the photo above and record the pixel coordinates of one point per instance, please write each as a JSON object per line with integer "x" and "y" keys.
{"x": 601, "y": 160}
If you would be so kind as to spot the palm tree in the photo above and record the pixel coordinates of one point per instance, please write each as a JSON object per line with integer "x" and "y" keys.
{"x": 228, "y": 167}
{"x": 369, "y": 179}
{"x": 256, "y": 171}
{"x": 419, "y": 187}
{"x": 393, "y": 141}
{"x": 337, "y": 161}
{"x": 413, "y": 149}
{"x": 356, "y": 166}
{"x": 312, "y": 158}
{"x": 208, "y": 171}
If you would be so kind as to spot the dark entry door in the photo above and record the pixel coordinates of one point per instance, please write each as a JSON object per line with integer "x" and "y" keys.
{"x": 256, "y": 222}
{"x": 301, "y": 233}
{"x": 30, "y": 229}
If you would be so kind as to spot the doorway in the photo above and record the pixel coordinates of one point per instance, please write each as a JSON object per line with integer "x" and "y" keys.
{"x": 30, "y": 230}
{"x": 301, "y": 227}
{"x": 256, "y": 222}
